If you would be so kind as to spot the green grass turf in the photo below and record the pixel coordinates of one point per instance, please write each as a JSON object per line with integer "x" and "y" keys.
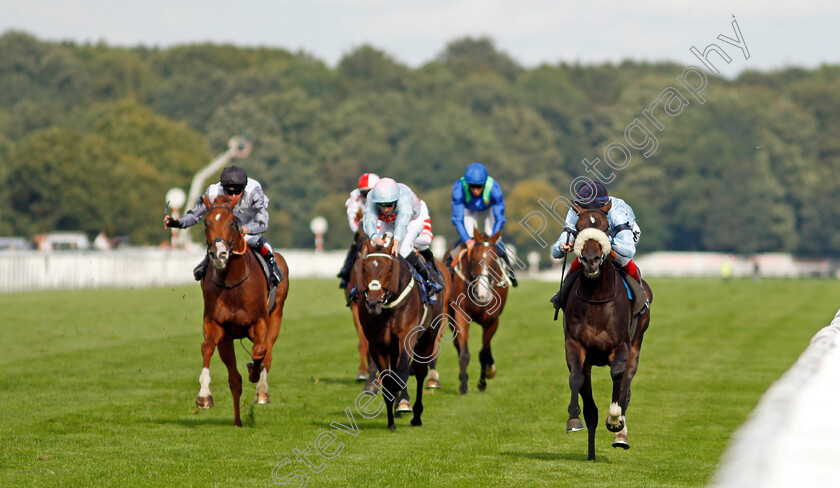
{"x": 97, "y": 389}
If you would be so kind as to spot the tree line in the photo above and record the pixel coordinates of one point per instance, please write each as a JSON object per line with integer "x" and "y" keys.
{"x": 92, "y": 136}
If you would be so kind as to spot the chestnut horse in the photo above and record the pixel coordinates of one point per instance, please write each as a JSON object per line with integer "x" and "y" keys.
{"x": 364, "y": 372}
{"x": 401, "y": 330}
{"x": 479, "y": 293}
{"x": 600, "y": 330}
{"x": 235, "y": 304}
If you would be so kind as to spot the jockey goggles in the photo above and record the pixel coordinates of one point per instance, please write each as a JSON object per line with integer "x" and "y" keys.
{"x": 234, "y": 189}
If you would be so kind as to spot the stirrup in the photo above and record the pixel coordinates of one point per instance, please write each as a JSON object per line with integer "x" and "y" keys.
{"x": 433, "y": 287}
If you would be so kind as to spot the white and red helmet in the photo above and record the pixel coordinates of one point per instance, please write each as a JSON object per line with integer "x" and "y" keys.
{"x": 367, "y": 180}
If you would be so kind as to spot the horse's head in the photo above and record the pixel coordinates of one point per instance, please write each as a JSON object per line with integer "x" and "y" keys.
{"x": 484, "y": 265}
{"x": 592, "y": 217}
{"x": 593, "y": 247}
{"x": 377, "y": 275}
{"x": 221, "y": 230}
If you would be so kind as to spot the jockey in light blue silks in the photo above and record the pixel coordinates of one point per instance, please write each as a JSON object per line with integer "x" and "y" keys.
{"x": 477, "y": 202}
{"x": 393, "y": 209}
{"x": 355, "y": 206}
{"x": 623, "y": 230}
{"x": 251, "y": 212}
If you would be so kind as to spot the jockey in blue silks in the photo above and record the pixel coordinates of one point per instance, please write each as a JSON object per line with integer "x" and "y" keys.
{"x": 477, "y": 202}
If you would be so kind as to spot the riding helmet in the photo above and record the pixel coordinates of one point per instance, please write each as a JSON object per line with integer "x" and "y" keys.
{"x": 385, "y": 191}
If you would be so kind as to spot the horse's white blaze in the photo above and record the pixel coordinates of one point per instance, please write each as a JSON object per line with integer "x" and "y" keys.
{"x": 592, "y": 219}
{"x": 375, "y": 285}
{"x": 220, "y": 248}
{"x": 218, "y": 216}
{"x": 262, "y": 385}
{"x": 204, "y": 380}
{"x": 483, "y": 286}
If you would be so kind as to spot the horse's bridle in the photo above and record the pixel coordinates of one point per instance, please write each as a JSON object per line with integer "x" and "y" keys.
{"x": 230, "y": 246}
{"x": 229, "y": 243}
{"x": 375, "y": 285}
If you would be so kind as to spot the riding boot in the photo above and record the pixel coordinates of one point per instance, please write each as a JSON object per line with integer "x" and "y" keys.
{"x": 452, "y": 255}
{"x": 508, "y": 268}
{"x": 201, "y": 269}
{"x": 431, "y": 286}
{"x": 349, "y": 260}
{"x": 431, "y": 264}
{"x": 264, "y": 249}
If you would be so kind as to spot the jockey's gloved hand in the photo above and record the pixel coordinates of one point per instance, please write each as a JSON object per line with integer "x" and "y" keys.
{"x": 174, "y": 223}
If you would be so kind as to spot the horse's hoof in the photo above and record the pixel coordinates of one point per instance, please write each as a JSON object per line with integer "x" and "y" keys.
{"x": 574, "y": 425}
{"x": 490, "y": 372}
{"x": 432, "y": 383}
{"x": 482, "y": 385}
{"x": 621, "y": 441}
{"x": 392, "y": 427}
{"x": 262, "y": 398}
{"x": 361, "y": 377}
{"x": 404, "y": 407}
{"x": 370, "y": 387}
{"x": 204, "y": 402}
{"x": 615, "y": 424}
{"x": 415, "y": 422}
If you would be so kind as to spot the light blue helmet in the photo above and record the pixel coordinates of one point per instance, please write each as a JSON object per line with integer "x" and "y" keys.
{"x": 384, "y": 191}
{"x": 476, "y": 174}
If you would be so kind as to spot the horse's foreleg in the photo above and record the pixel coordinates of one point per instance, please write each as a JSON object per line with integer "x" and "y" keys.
{"x": 363, "y": 345}
{"x": 488, "y": 369}
{"x": 574, "y": 360}
{"x": 590, "y": 411}
{"x": 228, "y": 355}
{"x": 462, "y": 327}
{"x": 213, "y": 333}
{"x": 420, "y": 370}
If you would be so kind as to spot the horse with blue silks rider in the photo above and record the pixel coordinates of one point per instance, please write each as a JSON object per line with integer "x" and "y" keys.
{"x": 478, "y": 203}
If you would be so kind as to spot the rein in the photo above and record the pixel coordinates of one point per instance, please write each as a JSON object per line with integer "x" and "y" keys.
{"x": 228, "y": 287}
{"x": 614, "y": 292}
{"x": 375, "y": 285}
{"x": 229, "y": 244}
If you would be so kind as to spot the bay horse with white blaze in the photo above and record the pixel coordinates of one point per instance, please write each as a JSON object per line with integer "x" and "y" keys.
{"x": 479, "y": 291}
{"x": 236, "y": 304}
{"x": 600, "y": 330}
{"x": 401, "y": 330}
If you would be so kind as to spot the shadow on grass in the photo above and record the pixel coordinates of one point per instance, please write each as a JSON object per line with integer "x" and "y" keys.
{"x": 551, "y": 456}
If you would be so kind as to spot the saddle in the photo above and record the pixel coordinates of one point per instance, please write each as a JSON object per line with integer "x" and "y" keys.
{"x": 424, "y": 296}
{"x": 271, "y": 303}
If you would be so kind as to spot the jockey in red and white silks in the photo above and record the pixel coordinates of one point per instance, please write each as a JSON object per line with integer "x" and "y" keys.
{"x": 358, "y": 199}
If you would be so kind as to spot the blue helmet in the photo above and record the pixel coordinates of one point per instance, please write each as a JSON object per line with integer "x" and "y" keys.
{"x": 476, "y": 174}
{"x": 384, "y": 191}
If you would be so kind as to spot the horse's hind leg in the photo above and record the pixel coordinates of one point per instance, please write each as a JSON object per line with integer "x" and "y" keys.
{"x": 462, "y": 327}
{"x": 420, "y": 370}
{"x": 228, "y": 355}
{"x": 574, "y": 360}
{"x": 257, "y": 333}
{"x": 262, "y": 396}
{"x": 488, "y": 369}
{"x": 212, "y": 335}
{"x": 362, "y": 375}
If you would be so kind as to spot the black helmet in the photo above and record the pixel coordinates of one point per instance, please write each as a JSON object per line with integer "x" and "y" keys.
{"x": 233, "y": 180}
{"x": 592, "y": 195}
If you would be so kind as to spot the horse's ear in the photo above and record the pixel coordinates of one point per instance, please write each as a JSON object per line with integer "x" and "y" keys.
{"x": 478, "y": 235}
{"x": 206, "y": 201}
{"x": 606, "y": 208}
{"x": 577, "y": 208}
{"x": 495, "y": 237}
{"x": 239, "y": 245}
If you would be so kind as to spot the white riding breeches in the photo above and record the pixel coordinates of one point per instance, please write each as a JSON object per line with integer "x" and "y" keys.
{"x": 473, "y": 220}
{"x": 418, "y": 234}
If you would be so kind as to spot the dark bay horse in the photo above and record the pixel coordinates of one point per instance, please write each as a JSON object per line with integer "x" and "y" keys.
{"x": 479, "y": 292}
{"x": 600, "y": 330}
{"x": 235, "y": 304}
{"x": 402, "y": 331}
